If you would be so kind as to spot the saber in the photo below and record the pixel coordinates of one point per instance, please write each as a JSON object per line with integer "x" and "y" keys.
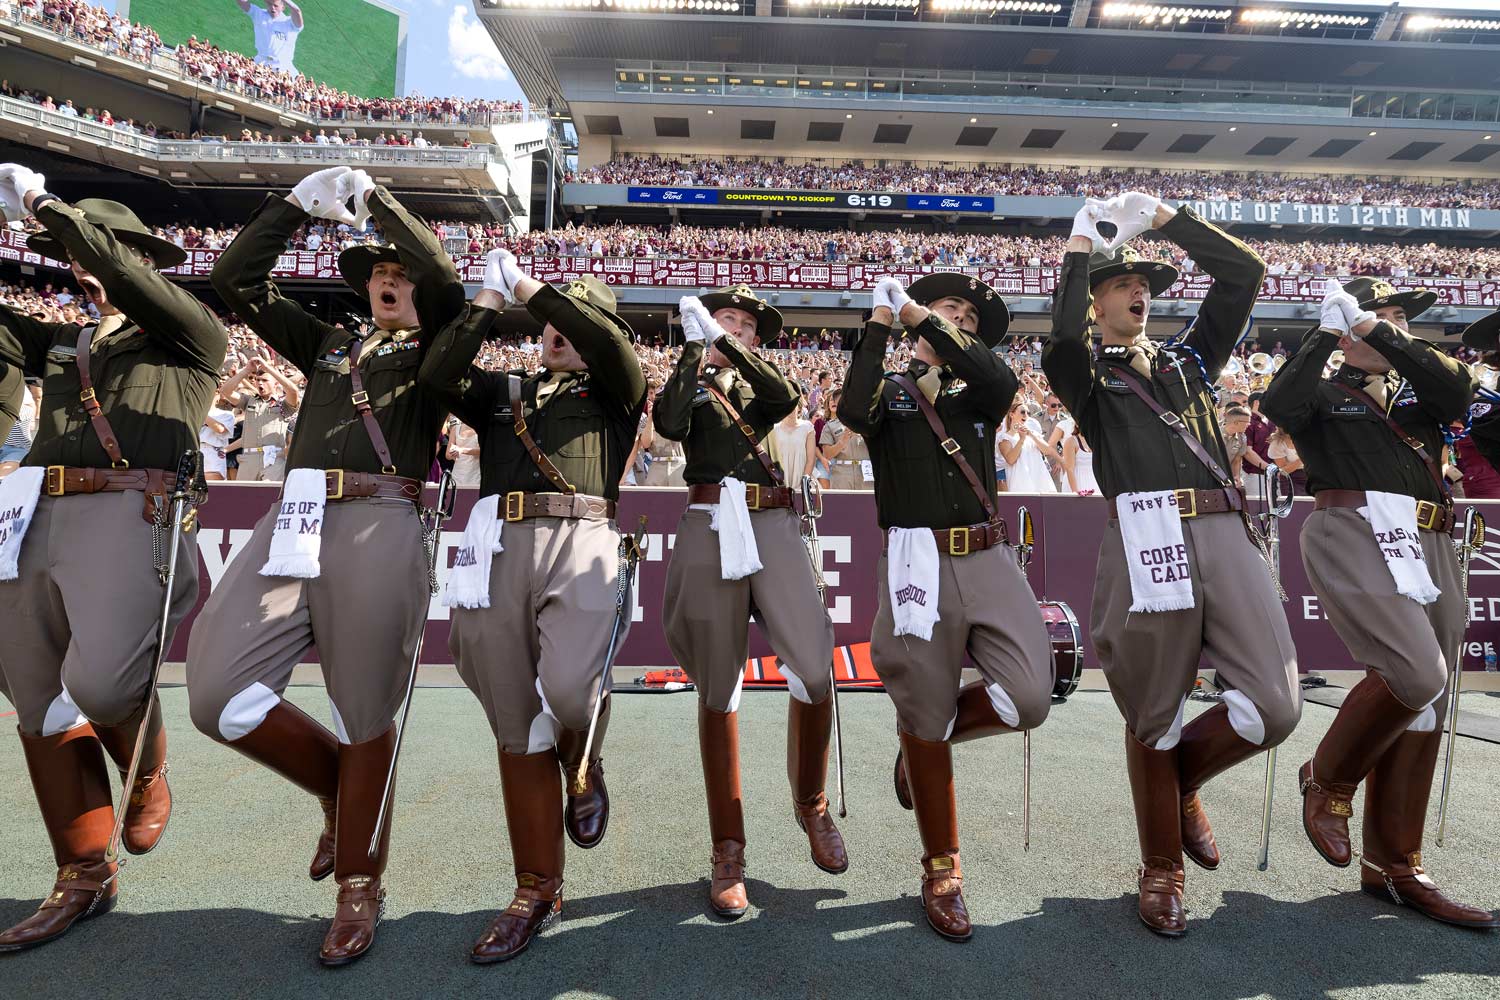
{"x": 189, "y": 491}
{"x": 1278, "y": 506}
{"x": 812, "y": 509}
{"x": 631, "y": 549}
{"x": 1472, "y": 542}
{"x": 1023, "y": 557}
{"x": 432, "y": 526}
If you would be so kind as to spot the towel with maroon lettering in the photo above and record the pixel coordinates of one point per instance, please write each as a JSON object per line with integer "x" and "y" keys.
{"x": 1155, "y": 552}
{"x": 1393, "y": 519}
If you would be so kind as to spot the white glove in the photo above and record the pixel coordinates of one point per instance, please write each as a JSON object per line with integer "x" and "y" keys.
{"x": 16, "y": 182}
{"x": 1132, "y": 214}
{"x": 689, "y": 307}
{"x": 693, "y": 306}
{"x": 1337, "y": 307}
{"x": 322, "y": 194}
{"x": 356, "y": 184}
{"x": 1086, "y": 224}
{"x": 502, "y": 273}
{"x": 889, "y": 293}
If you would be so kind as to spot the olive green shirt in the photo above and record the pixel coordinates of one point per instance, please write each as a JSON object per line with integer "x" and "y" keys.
{"x": 12, "y": 384}
{"x": 1134, "y": 450}
{"x": 1344, "y": 443}
{"x": 330, "y": 433}
{"x": 154, "y": 376}
{"x": 584, "y": 422}
{"x": 685, "y": 411}
{"x": 917, "y": 483}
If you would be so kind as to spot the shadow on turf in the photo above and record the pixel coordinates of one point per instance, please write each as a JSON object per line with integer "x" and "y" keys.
{"x": 658, "y": 942}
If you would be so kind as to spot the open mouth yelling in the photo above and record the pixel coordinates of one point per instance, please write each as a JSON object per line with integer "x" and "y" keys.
{"x": 388, "y": 299}
{"x": 1138, "y": 309}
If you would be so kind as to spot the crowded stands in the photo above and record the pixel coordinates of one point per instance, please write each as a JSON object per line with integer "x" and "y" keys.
{"x": 1019, "y": 180}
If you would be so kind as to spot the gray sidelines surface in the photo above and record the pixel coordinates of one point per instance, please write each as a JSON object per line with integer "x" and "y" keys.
{"x": 224, "y": 907}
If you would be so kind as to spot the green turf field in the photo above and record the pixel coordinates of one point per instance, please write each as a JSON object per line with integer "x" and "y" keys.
{"x": 350, "y": 44}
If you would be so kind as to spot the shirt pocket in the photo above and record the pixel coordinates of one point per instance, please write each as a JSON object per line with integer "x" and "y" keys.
{"x": 390, "y": 377}
{"x": 576, "y": 431}
{"x": 1356, "y": 433}
{"x": 126, "y": 366}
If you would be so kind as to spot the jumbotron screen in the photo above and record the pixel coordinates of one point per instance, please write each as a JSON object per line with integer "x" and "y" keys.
{"x": 350, "y": 44}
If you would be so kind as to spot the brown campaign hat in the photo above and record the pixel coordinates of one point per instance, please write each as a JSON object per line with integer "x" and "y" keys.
{"x": 1484, "y": 334}
{"x": 596, "y": 300}
{"x": 1377, "y": 293}
{"x": 1159, "y": 274}
{"x": 125, "y": 226}
{"x": 358, "y": 262}
{"x": 767, "y": 317}
{"x": 994, "y": 317}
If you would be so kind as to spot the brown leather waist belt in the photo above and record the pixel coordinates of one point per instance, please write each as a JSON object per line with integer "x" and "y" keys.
{"x": 63, "y": 481}
{"x": 1192, "y": 503}
{"x": 962, "y": 541}
{"x": 344, "y": 485}
{"x": 1430, "y": 516}
{"x": 518, "y": 506}
{"x": 757, "y": 497}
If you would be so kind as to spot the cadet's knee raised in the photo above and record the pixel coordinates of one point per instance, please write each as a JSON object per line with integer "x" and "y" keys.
{"x": 103, "y": 702}
{"x": 1032, "y": 711}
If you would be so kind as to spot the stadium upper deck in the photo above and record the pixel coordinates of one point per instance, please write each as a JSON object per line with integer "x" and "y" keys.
{"x": 1279, "y": 86}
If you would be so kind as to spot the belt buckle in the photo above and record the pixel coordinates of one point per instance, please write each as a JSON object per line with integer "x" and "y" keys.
{"x": 336, "y": 492}
{"x": 1429, "y": 515}
{"x": 950, "y": 446}
{"x": 1190, "y": 509}
{"x": 954, "y": 534}
{"x": 54, "y": 481}
{"x": 752, "y": 496}
{"x": 515, "y": 504}
{"x": 360, "y": 398}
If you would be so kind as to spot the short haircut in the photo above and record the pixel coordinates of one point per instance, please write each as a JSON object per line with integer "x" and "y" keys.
{"x": 1235, "y": 412}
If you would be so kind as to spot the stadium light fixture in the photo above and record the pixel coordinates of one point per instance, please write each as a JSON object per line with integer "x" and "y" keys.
{"x": 1153, "y": 13}
{"x": 1303, "y": 18}
{"x": 995, "y": 7}
{"x": 856, "y": 3}
{"x": 1426, "y": 22}
{"x": 687, "y": 6}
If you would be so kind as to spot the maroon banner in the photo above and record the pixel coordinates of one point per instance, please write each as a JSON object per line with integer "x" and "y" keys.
{"x": 1068, "y": 532}
{"x": 654, "y": 272}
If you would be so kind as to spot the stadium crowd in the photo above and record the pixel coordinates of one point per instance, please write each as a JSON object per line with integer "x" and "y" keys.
{"x": 205, "y": 62}
{"x": 1019, "y": 180}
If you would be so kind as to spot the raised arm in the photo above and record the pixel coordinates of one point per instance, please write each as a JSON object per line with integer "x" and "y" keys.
{"x": 672, "y": 413}
{"x": 860, "y": 407}
{"x": 242, "y": 277}
{"x": 448, "y": 369}
{"x": 169, "y": 315}
{"x": 1237, "y": 272}
{"x": 1068, "y": 355}
{"x": 1444, "y": 385}
{"x": 1291, "y": 400}
{"x": 990, "y": 384}
{"x": 439, "y": 293}
{"x": 775, "y": 396}
{"x": 602, "y": 345}
{"x": 24, "y": 341}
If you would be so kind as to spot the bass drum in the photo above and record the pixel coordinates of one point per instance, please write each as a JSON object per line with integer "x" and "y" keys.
{"x": 1067, "y": 646}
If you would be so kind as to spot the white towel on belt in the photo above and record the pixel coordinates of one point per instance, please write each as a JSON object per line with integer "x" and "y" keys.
{"x": 19, "y": 493}
{"x": 270, "y": 455}
{"x": 738, "y": 555}
{"x": 911, "y": 575}
{"x": 1151, "y": 529}
{"x": 469, "y": 581}
{"x": 298, "y": 538}
{"x": 1393, "y": 518}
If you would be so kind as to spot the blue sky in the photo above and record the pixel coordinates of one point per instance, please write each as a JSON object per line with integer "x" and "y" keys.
{"x": 447, "y": 52}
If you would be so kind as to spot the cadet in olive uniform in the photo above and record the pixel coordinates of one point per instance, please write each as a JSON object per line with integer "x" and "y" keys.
{"x": 849, "y": 466}
{"x": 530, "y": 639}
{"x": 123, "y": 400}
{"x": 267, "y": 422}
{"x": 723, "y": 415}
{"x": 1358, "y": 433}
{"x": 12, "y": 384}
{"x": 1484, "y": 413}
{"x": 368, "y": 432}
{"x": 942, "y": 486}
{"x": 1148, "y": 412}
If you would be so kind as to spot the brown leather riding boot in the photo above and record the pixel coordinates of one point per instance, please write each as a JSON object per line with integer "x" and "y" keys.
{"x": 976, "y": 719}
{"x": 1209, "y": 747}
{"x": 1157, "y": 796}
{"x": 719, "y": 746}
{"x": 586, "y": 815}
{"x": 71, "y": 782}
{"x": 361, "y": 900}
{"x": 930, "y": 767}
{"x": 1367, "y": 724}
{"x": 534, "y": 817}
{"x": 291, "y": 743}
{"x": 150, "y": 799}
{"x": 1396, "y": 794}
{"x": 809, "y": 728}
